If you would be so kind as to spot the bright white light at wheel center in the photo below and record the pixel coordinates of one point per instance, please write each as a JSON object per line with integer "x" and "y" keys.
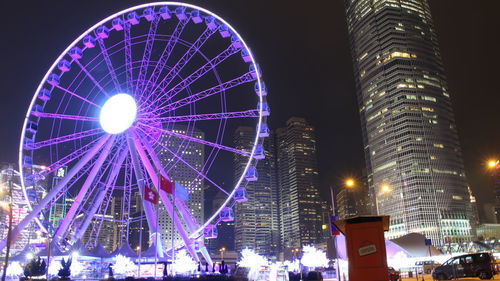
{"x": 118, "y": 113}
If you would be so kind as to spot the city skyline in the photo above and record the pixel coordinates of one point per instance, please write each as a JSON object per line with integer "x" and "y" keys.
{"x": 338, "y": 156}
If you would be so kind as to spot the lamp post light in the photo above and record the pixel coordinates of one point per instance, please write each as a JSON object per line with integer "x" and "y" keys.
{"x": 222, "y": 250}
{"x": 385, "y": 188}
{"x": 348, "y": 183}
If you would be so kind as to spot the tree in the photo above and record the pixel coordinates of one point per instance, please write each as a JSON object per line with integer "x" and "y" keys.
{"x": 36, "y": 267}
{"x": 65, "y": 270}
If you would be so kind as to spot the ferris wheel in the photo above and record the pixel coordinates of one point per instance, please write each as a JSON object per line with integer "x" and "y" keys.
{"x": 122, "y": 108}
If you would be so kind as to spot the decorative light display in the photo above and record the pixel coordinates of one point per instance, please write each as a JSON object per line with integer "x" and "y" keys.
{"x": 313, "y": 257}
{"x": 184, "y": 264}
{"x": 54, "y": 267}
{"x": 249, "y": 258}
{"x": 14, "y": 270}
{"x": 254, "y": 261}
{"x": 124, "y": 265}
{"x": 76, "y": 266}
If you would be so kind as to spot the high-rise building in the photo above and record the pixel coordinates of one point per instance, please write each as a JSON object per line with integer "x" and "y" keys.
{"x": 256, "y": 225}
{"x": 192, "y": 153}
{"x": 413, "y": 156}
{"x": 300, "y": 203}
{"x": 352, "y": 201}
{"x": 103, "y": 228}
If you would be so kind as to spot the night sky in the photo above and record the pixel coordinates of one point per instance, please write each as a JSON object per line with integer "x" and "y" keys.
{"x": 304, "y": 54}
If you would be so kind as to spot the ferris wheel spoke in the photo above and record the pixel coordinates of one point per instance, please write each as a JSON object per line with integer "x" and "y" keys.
{"x": 252, "y": 113}
{"x": 181, "y": 63}
{"x": 192, "y": 168}
{"x": 169, "y": 207}
{"x": 197, "y": 140}
{"x": 128, "y": 57}
{"x": 146, "y": 56}
{"x": 76, "y": 95}
{"x": 55, "y": 191}
{"x": 66, "y": 138}
{"x": 171, "y": 93}
{"x": 68, "y": 218}
{"x": 117, "y": 165}
{"x": 68, "y": 158}
{"x": 188, "y": 218}
{"x": 91, "y": 77}
{"x": 165, "y": 55}
{"x": 64, "y": 116}
{"x": 245, "y": 78}
{"x": 109, "y": 64}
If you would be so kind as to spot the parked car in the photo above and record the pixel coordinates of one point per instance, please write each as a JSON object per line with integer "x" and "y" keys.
{"x": 480, "y": 265}
{"x": 394, "y": 275}
{"x": 426, "y": 267}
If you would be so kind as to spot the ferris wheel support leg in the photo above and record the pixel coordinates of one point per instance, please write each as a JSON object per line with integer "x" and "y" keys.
{"x": 164, "y": 198}
{"x": 100, "y": 197}
{"x": 183, "y": 209}
{"x": 68, "y": 219}
{"x": 53, "y": 193}
{"x": 181, "y": 206}
{"x": 206, "y": 255}
{"x": 141, "y": 182}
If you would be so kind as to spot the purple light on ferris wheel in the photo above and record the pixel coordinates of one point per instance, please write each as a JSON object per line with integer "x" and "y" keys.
{"x": 148, "y": 81}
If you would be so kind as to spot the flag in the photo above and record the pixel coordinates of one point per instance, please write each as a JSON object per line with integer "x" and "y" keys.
{"x": 333, "y": 229}
{"x": 166, "y": 185}
{"x": 150, "y": 195}
{"x": 181, "y": 192}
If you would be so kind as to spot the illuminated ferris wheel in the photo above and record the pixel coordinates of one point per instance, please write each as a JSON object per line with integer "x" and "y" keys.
{"x": 110, "y": 108}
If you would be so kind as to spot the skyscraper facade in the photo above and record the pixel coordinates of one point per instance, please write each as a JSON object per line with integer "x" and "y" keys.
{"x": 192, "y": 153}
{"x": 300, "y": 203}
{"x": 413, "y": 157}
{"x": 256, "y": 222}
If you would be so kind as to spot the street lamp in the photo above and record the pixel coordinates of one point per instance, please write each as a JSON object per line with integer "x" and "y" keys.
{"x": 349, "y": 183}
{"x": 385, "y": 188}
{"x": 492, "y": 163}
{"x": 222, "y": 250}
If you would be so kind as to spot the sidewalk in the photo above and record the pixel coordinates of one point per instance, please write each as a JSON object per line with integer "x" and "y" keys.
{"x": 428, "y": 277}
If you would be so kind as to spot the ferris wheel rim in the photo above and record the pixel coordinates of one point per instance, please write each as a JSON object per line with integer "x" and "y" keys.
{"x": 134, "y": 8}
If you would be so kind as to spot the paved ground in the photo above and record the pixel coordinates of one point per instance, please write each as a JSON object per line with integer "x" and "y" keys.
{"x": 429, "y": 278}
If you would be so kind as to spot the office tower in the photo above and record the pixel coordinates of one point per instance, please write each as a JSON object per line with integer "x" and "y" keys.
{"x": 103, "y": 228}
{"x": 138, "y": 234}
{"x": 300, "y": 203}
{"x": 352, "y": 201}
{"x": 413, "y": 157}
{"x": 256, "y": 222}
{"x": 192, "y": 153}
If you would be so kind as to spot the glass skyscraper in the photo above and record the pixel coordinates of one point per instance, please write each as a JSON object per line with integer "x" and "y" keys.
{"x": 300, "y": 205}
{"x": 256, "y": 223}
{"x": 413, "y": 156}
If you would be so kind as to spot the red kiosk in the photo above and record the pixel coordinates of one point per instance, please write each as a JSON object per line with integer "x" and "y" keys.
{"x": 365, "y": 247}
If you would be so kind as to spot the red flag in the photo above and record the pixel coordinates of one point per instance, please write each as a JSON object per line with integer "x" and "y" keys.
{"x": 150, "y": 195}
{"x": 166, "y": 185}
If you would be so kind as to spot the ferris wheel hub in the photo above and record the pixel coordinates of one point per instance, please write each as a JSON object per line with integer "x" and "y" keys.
{"x": 118, "y": 113}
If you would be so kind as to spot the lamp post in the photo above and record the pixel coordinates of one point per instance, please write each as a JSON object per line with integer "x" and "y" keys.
{"x": 385, "y": 188}
{"x": 222, "y": 250}
{"x": 348, "y": 183}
